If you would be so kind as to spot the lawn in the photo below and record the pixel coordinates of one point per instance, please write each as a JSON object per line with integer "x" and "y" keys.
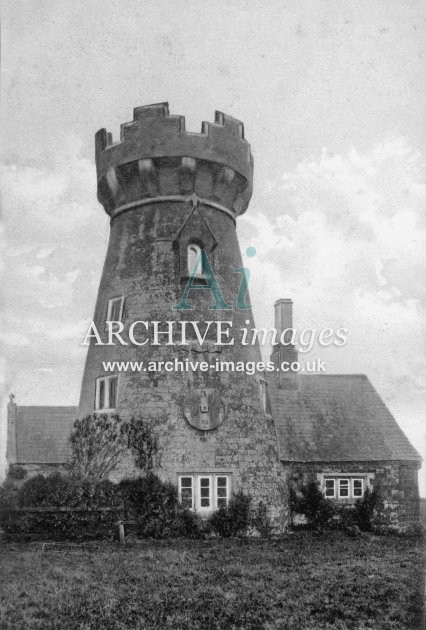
{"x": 303, "y": 581}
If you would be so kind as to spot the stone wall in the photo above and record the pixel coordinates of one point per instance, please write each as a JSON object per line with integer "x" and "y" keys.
{"x": 397, "y": 482}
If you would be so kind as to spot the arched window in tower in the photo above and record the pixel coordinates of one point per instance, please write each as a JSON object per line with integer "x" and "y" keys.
{"x": 195, "y": 264}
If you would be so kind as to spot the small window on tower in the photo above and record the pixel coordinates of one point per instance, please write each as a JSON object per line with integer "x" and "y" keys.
{"x": 115, "y": 310}
{"x": 195, "y": 263}
{"x": 106, "y": 393}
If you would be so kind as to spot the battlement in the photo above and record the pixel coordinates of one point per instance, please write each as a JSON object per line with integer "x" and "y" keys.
{"x": 155, "y": 139}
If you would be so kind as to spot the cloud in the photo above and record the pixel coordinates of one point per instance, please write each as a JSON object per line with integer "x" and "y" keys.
{"x": 345, "y": 236}
{"x": 53, "y": 258}
{"x": 14, "y": 339}
{"x": 345, "y": 223}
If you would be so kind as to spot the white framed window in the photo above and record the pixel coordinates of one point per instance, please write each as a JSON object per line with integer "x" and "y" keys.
{"x": 357, "y": 488}
{"x": 106, "y": 393}
{"x": 186, "y": 492}
{"x": 115, "y": 310}
{"x": 330, "y": 488}
{"x": 345, "y": 487}
{"x": 222, "y": 491}
{"x": 195, "y": 260}
{"x": 204, "y": 492}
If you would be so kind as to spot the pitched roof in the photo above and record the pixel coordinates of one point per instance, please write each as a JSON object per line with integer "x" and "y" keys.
{"x": 336, "y": 418}
{"x": 42, "y": 434}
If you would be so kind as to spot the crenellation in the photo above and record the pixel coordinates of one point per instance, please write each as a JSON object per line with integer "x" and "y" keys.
{"x": 157, "y": 136}
{"x": 159, "y": 110}
{"x": 232, "y": 124}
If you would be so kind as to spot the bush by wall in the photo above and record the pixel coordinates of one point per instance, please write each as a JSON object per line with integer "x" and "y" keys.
{"x": 148, "y": 496}
{"x": 233, "y": 519}
{"x": 9, "y": 494}
{"x": 81, "y": 499}
{"x": 66, "y": 508}
{"x": 310, "y": 501}
{"x": 154, "y": 506}
{"x": 366, "y": 507}
{"x": 17, "y": 473}
{"x": 322, "y": 513}
{"x": 261, "y": 520}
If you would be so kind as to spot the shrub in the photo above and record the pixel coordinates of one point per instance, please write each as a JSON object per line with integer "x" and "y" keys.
{"x": 347, "y": 520}
{"x": 365, "y": 509}
{"x": 63, "y": 491}
{"x": 221, "y": 522}
{"x": 39, "y": 491}
{"x": 9, "y": 498}
{"x": 184, "y": 523}
{"x": 17, "y": 473}
{"x": 60, "y": 491}
{"x": 154, "y": 505}
{"x": 146, "y": 497}
{"x": 311, "y": 502}
{"x": 322, "y": 513}
{"x": 9, "y": 494}
{"x": 261, "y": 520}
{"x": 233, "y": 519}
{"x": 190, "y": 524}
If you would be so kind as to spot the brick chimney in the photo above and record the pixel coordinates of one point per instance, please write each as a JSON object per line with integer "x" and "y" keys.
{"x": 12, "y": 414}
{"x": 284, "y": 351}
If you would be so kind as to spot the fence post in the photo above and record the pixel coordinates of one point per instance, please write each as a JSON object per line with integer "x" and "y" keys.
{"x": 121, "y": 532}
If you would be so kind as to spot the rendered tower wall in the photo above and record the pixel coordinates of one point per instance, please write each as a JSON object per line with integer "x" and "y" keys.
{"x": 164, "y": 189}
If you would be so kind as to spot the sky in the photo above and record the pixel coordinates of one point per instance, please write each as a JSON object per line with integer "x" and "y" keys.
{"x": 332, "y": 96}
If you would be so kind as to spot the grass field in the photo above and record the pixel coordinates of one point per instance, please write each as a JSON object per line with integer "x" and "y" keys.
{"x": 304, "y": 581}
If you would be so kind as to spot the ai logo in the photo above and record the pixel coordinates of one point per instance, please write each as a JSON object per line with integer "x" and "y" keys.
{"x": 211, "y": 284}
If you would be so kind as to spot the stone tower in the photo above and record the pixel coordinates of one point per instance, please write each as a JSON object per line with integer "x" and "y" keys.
{"x": 173, "y": 198}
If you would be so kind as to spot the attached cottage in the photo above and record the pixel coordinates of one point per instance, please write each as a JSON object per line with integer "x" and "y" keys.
{"x": 335, "y": 429}
{"x": 37, "y": 437}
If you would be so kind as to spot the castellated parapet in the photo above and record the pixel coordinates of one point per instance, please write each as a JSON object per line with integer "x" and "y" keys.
{"x": 156, "y": 157}
{"x": 171, "y": 194}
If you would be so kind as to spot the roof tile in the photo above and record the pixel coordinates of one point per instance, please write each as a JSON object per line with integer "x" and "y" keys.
{"x": 42, "y": 434}
{"x": 336, "y": 418}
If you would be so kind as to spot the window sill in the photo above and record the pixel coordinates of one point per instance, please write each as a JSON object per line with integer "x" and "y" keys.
{"x": 197, "y": 280}
{"x": 344, "y": 500}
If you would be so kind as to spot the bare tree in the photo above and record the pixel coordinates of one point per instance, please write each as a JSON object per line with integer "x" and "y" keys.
{"x": 100, "y": 441}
